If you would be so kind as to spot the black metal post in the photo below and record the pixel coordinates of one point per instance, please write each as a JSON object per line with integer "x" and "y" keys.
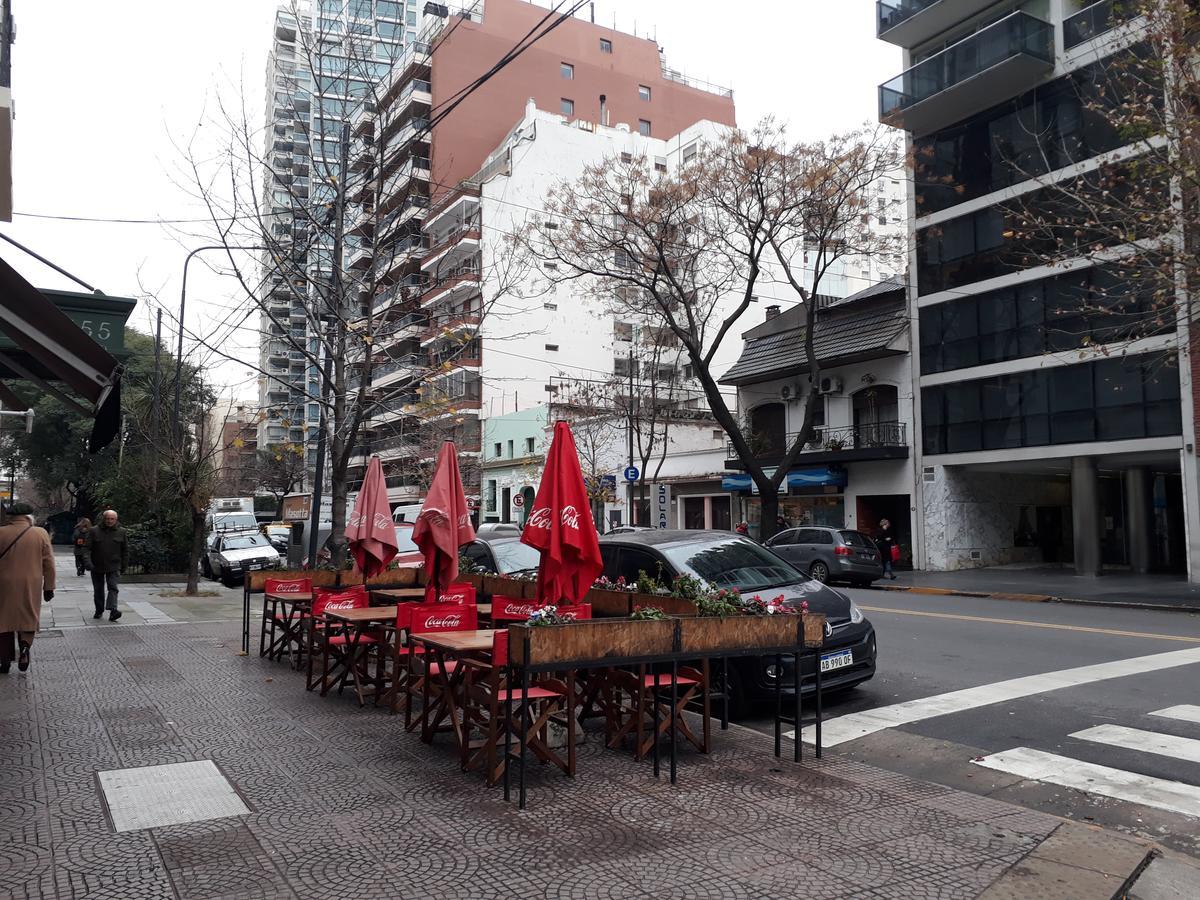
{"x": 727, "y": 693}
{"x": 319, "y": 474}
{"x": 817, "y": 664}
{"x": 798, "y": 681}
{"x": 778, "y": 705}
{"x": 508, "y": 679}
{"x": 654, "y": 715}
{"x": 673, "y": 725}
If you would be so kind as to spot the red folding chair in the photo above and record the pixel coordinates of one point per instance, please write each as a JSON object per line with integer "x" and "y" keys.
{"x": 432, "y": 675}
{"x": 495, "y": 708}
{"x": 329, "y": 639}
{"x": 458, "y": 593}
{"x": 281, "y": 627}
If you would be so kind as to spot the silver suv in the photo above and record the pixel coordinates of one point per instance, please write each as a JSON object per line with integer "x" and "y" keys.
{"x": 830, "y": 554}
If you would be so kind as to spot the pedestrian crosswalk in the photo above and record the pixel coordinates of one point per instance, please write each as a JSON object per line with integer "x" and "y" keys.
{"x": 1106, "y": 781}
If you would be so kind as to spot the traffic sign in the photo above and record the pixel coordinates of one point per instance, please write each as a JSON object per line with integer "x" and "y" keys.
{"x": 519, "y": 501}
{"x": 632, "y": 473}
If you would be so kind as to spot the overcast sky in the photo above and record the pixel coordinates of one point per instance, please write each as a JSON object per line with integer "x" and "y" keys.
{"x": 104, "y": 93}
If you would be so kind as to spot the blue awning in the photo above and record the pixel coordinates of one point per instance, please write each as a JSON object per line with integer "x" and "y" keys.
{"x": 797, "y": 478}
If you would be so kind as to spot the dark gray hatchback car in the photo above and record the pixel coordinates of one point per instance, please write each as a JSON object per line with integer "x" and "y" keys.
{"x": 830, "y": 554}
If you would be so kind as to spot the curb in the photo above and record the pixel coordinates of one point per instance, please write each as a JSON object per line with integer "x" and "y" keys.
{"x": 1033, "y": 598}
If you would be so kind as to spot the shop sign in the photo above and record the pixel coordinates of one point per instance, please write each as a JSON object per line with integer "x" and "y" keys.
{"x": 662, "y": 506}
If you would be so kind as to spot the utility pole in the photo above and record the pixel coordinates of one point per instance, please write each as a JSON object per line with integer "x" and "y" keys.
{"x": 156, "y": 405}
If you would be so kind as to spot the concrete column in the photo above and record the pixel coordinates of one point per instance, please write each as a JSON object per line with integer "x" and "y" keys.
{"x": 1137, "y": 518}
{"x": 1085, "y": 515}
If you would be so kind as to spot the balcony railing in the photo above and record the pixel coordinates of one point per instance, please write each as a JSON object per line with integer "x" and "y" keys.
{"x": 1095, "y": 20}
{"x": 890, "y": 13}
{"x": 875, "y": 436}
{"x": 1019, "y": 35}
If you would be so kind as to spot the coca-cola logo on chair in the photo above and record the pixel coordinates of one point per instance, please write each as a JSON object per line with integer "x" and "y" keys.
{"x": 448, "y": 621}
{"x": 340, "y": 604}
{"x": 287, "y": 587}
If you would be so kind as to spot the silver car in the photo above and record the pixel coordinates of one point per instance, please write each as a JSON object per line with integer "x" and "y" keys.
{"x": 830, "y": 554}
{"x": 230, "y": 556}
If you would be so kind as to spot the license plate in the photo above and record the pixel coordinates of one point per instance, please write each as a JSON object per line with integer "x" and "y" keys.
{"x": 838, "y": 660}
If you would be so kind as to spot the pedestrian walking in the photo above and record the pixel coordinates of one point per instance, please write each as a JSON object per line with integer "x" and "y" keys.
{"x": 107, "y": 551}
{"x": 26, "y": 582}
{"x": 743, "y": 528}
{"x": 79, "y": 537}
{"x": 885, "y": 540}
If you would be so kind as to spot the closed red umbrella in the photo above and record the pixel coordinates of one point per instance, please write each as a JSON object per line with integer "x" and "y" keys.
{"x": 560, "y": 526}
{"x": 444, "y": 523}
{"x": 370, "y": 530}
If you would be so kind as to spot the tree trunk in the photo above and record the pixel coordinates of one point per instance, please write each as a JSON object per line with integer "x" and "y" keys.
{"x": 193, "y": 572}
{"x": 770, "y": 512}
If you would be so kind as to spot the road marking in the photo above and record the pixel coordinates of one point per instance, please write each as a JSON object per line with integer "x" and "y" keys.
{"x": 151, "y": 613}
{"x": 860, "y": 724}
{"x": 1052, "y": 625}
{"x": 1037, "y": 765}
{"x": 1145, "y": 741}
{"x": 1183, "y": 713}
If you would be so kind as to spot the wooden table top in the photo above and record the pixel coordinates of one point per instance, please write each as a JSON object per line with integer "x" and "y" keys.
{"x": 363, "y": 615}
{"x": 298, "y": 596}
{"x": 400, "y": 593}
{"x": 458, "y": 641}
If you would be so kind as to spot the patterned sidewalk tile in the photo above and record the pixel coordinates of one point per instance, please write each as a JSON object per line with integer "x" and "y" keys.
{"x": 343, "y": 802}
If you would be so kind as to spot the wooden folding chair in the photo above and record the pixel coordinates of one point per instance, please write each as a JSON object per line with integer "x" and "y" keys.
{"x": 644, "y": 710}
{"x": 281, "y": 631}
{"x": 431, "y": 674}
{"x": 328, "y": 641}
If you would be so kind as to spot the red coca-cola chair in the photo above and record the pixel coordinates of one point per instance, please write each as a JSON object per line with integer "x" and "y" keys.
{"x": 433, "y": 676}
{"x": 284, "y": 602}
{"x": 329, "y": 641}
{"x": 494, "y": 708}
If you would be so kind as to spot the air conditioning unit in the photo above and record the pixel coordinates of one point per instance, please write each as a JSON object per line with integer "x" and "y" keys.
{"x": 789, "y": 392}
{"x": 830, "y": 384}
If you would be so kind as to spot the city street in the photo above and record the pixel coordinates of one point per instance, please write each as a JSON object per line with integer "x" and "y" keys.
{"x": 1132, "y": 710}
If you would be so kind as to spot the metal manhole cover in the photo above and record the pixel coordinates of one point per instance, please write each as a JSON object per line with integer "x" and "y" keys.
{"x": 175, "y": 794}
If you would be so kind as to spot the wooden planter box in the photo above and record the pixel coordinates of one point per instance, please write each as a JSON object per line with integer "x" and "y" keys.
{"x": 400, "y": 578}
{"x": 609, "y": 604}
{"x": 257, "y": 581}
{"x": 590, "y": 642}
{"x": 502, "y": 586}
{"x": 709, "y": 635}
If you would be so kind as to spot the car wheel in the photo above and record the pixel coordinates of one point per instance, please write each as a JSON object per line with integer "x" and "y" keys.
{"x": 226, "y": 577}
{"x": 205, "y": 568}
{"x": 819, "y": 571}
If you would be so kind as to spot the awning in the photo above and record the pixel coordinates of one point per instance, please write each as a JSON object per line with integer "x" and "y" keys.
{"x": 821, "y": 476}
{"x": 46, "y": 347}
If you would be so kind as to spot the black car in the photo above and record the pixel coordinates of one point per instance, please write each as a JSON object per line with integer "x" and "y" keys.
{"x": 501, "y": 554}
{"x": 733, "y": 561}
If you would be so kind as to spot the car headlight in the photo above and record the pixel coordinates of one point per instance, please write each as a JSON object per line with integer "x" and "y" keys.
{"x": 856, "y": 614}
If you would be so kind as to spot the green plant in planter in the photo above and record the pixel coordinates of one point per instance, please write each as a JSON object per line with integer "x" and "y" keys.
{"x": 546, "y": 615}
{"x": 648, "y": 584}
{"x": 648, "y": 614}
{"x": 719, "y": 604}
{"x": 689, "y": 587}
{"x": 468, "y": 566}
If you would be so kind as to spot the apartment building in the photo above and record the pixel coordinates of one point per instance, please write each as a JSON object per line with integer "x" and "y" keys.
{"x": 1042, "y": 436}
{"x": 347, "y": 47}
{"x": 433, "y": 227}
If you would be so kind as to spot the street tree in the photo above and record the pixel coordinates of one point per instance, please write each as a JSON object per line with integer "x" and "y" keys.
{"x": 689, "y": 251}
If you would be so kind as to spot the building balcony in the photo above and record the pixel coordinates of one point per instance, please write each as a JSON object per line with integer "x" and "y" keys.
{"x": 450, "y": 248}
{"x": 461, "y": 203}
{"x": 360, "y": 257}
{"x": 1095, "y": 20}
{"x": 452, "y": 325}
{"x": 1001, "y": 61}
{"x": 454, "y": 282}
{"x": 852, "y": 443}
{"x": 907, "y": 23}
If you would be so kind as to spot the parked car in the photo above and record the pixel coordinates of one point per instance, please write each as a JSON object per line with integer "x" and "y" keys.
{"x": 279, "y": 535}
{"x": 501, "y": 554}
{"x": 230, "y": 556}
{"x": 732, "y": 561}
{"x": 408, "y": 555}
{"x": 497, "y": 529}
{"x": 830, "y": 554}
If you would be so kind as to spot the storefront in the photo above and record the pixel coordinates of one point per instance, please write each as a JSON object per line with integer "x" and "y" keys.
{"x": 813, "y": 496}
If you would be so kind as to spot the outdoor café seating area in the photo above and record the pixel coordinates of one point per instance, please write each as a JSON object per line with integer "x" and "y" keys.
{"x": 507, "y": 672}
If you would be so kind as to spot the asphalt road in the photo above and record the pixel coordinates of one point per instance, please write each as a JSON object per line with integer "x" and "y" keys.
{"x": 1018, "y": 704}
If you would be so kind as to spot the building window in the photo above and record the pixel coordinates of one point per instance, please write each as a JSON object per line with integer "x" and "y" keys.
{"x": 529, "y": 445}
{"x": 605, "y": 45}
{"x": 551, "y": 266}
{"x": 551, "y": 306}
{"x": 644, "y": 127}
{"x": 626, "y": 156}
{"x": 644, "y": 92}
{"x": 567, "y": 71}
{"x": 566, "y": 107}
{"x": 660, "y": 164}
{"x": 689, "y": 153}
{"x": 552, "y": 348}
{"x": 498, "y": 451}
{"x": 622, "y": 331}
{"x": 490, "y": 496}
{"x": 510, "y": 449}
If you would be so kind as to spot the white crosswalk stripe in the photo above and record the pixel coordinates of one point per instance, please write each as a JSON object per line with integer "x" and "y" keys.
{"x": 1145, "y": 741}
{"x": 1183, "y": 713}
{"x": 1037, "y": 765}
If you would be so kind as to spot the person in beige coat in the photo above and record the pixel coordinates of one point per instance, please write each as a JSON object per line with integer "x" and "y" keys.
{"x": 26, "y": 582}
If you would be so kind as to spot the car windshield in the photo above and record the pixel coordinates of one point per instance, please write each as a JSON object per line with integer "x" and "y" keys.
{"x": 733, "y": 562}
{"x": 513, "y": 556}
{"x": 245, "y": 542}
{"x": 857, "y": 539}
{"x": 404, "y": 541}
{"x": 234, "y": 521}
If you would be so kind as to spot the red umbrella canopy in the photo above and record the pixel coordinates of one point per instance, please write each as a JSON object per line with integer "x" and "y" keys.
{"x": 370, "y": 530}
{"x": 444, "y": 523}
{"x": 560, "y": 526}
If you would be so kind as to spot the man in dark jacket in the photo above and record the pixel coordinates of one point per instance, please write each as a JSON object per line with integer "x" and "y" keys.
{"x": 108, "y": 551}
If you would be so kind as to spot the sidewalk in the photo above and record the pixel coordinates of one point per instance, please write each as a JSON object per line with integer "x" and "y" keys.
{"x": 1044, "y": 584}
{"x": 336, "y": 801}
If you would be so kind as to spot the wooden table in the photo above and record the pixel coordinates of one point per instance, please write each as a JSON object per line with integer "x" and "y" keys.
{"x": 287, "y": 609}
{"x": 442, "y": 646}
{"x": 394, "y": 594}
{"x": 354, "y": 624}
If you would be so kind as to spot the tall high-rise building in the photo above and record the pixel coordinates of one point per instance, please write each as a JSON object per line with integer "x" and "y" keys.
{"x": 421, "y": 217}
{"x": 320, "y": 68}
{"x": 1044, "y": 434}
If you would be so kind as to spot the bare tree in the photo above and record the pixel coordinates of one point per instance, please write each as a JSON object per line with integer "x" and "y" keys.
{"x": 688, "y": 251}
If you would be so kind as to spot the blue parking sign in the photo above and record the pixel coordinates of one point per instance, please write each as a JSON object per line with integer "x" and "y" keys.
{"x": 632, "y": 473}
